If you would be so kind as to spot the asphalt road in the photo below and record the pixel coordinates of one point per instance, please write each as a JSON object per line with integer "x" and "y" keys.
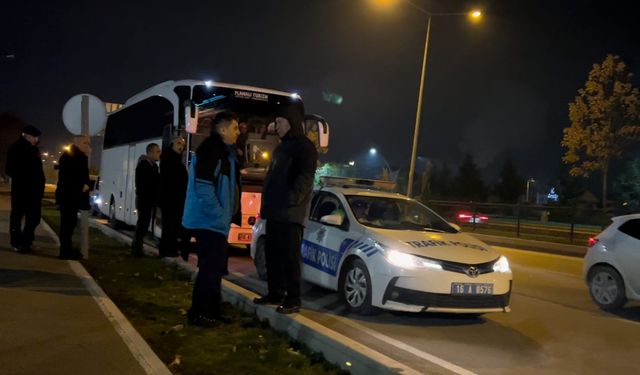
{"x": 553, "y": 328}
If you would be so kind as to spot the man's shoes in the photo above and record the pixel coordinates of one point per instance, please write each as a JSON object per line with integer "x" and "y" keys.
{"x": 288, "y": 308}
{"x": 267, "y": 300}
{"x": 203, "y": 321}
{"x": 223, "y": 318}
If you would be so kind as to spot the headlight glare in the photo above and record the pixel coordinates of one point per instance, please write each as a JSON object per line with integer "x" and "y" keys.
{"x": 501, "y": 265}
{"x": 404, "y": 260}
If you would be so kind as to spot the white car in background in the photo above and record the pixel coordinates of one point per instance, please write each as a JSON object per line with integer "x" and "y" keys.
{"x": 612, "y": 263}
{"x": 380, "y": 249}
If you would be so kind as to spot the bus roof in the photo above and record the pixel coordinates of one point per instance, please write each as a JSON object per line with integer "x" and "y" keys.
{"x": 166, "y": 89}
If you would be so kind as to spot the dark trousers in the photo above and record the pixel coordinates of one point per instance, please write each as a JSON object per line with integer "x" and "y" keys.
{"x": 212, "y": 265}
{"x": 68, "y": 222}
{"x": 29, "y": 208}
{"x": 145, "y": 212}
{"x": 173, "y": 233}
{"x": 283, "y": 260}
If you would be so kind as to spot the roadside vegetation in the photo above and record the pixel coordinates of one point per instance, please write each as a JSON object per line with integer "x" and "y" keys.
{"x": 154, "y": 296}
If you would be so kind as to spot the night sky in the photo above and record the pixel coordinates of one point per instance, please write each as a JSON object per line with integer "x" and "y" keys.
{"x": 497, "y": 88}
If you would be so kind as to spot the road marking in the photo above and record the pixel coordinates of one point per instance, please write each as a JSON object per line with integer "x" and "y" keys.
{"x": 398, "y": 344}
{"x": 401, "y": 345}
{"x": 140, "y": 350}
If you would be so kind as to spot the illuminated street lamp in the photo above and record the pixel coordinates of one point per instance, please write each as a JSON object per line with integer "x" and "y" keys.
{"x": 373, "y": 151}
{"x": 67, "y": 148}
{"x": 475, "y": 15}
{"x": 352, "y": 163}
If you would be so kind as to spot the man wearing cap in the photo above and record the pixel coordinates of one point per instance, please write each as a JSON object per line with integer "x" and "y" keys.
{"x": 24, "y": 166}
{"x": 173, "y": 190}
{"x": 286, "y": 196}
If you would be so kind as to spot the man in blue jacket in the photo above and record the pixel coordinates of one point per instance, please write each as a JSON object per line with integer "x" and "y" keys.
{"x": 212, "y": 204}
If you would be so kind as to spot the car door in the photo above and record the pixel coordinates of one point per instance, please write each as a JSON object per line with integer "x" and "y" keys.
{"x": 628, "y": 248}
{"x": 321, "y": 252}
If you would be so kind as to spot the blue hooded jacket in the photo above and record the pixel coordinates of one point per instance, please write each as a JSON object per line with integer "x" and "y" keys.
{"x": 211, "y": 203}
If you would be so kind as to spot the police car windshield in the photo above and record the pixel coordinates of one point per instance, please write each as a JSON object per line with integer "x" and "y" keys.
{"x": 396, "y": 214}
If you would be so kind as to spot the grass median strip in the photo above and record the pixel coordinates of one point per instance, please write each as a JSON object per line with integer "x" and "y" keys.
{"x": 154, "y": 296}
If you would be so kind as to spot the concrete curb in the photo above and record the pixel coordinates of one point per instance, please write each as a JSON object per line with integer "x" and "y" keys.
{"x": 138, "y": 347}
{"x": 336, "y": 348}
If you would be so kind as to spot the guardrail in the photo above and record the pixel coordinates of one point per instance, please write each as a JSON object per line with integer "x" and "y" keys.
{"x": 562, "y": 224}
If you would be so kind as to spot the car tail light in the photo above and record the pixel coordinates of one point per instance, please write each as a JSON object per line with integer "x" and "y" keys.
{"x": 484, "y": 218}
{"x": 593, "y": 241}
{"x": 464, "y": 216}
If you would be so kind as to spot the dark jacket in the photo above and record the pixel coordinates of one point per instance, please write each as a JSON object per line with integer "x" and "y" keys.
{"x": 214, "y": 189}
{"x": 287, "y": 189}
{"x": 24, "y": 166}
{"x": 73, "y": 174}
{"x": 147, "y": 182}
{"x": 173, "y": 181}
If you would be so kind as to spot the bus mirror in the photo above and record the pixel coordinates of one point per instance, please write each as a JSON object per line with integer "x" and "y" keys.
{"x": 191, "y": 119}
{"x": 323, "y": 134}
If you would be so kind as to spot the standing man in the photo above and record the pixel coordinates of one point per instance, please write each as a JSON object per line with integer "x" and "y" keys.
{"x": 173, "y": 190}
{"x": 213, "y": 203}
{"x": 24, "y": 166}
{"x": 147, "y": 186}
{"x": 72, "y": 192}
{"x": 286, "y": 195}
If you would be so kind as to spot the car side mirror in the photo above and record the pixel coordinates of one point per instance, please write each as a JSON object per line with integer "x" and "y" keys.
{"x": 335, "y": 220}
{"x": 456, "y": 227}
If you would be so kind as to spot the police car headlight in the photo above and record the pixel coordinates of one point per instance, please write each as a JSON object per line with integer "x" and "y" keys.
{"x": 98, "y": 201}
{"x": 404, "y": 260}
{"x": 501, "y": 265}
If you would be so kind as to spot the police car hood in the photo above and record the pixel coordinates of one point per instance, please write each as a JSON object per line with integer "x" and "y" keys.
{"x": 454, "y": 247}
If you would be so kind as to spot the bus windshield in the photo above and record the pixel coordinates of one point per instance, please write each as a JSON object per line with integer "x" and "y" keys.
{"x": 256, "y": 110}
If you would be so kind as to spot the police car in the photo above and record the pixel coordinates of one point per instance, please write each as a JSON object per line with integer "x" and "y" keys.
{"x": 381, "y": 249}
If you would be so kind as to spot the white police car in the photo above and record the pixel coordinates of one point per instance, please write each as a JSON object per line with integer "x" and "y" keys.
{"x": 380, "y": 249}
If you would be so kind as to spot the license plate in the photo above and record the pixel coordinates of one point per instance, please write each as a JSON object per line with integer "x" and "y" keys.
{"x": 244, "y": 237}
{"x": 470, "y": 288}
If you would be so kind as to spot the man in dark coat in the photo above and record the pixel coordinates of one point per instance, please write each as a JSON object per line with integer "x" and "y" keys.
{"x": 24, "y": 166}
{"x": 147, "y": 187}
{"x": 286, "y": 196}
{"x": 72, "y": 192}
{"x": 173, "y": 190}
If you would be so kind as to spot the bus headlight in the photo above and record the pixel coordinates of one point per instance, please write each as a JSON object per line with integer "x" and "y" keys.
{"x": 404, "y": 260}
{"x": 501, "y": 265}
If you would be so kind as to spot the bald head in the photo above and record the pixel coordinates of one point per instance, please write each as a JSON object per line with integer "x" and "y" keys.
{"x": 83, "y": 143}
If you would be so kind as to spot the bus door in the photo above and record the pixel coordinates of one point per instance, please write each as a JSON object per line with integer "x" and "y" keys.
{"x": 130, "y": 190}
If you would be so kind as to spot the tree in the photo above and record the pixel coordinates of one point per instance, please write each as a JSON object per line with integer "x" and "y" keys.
{"x": 628, "y": 184}
{"x": 469, "y": 183}
{"x": 441, "y": 182}
{"x": 604, "y": 121}
{"x": 511, "y": 184}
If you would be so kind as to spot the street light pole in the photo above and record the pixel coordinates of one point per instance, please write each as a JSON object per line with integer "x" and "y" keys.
{"x": 529, "y": 181}
{"x": 416, "y": 129}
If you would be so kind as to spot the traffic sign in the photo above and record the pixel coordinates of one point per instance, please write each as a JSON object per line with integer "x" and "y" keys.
{"x": 72, "y": 114}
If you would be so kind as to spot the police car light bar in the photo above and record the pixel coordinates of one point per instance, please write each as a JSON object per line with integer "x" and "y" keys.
{"x": 362, "y": 183}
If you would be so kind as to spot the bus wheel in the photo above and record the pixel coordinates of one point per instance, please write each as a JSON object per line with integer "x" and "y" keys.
{"x": 260, "y": 259}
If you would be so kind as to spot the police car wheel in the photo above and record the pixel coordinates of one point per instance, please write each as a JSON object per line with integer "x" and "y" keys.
{"x": 260, "y": 260}
{"x": 356, "y": 287}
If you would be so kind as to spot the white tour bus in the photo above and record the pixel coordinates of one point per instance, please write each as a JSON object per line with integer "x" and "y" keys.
{"x": 187, "y": 107}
